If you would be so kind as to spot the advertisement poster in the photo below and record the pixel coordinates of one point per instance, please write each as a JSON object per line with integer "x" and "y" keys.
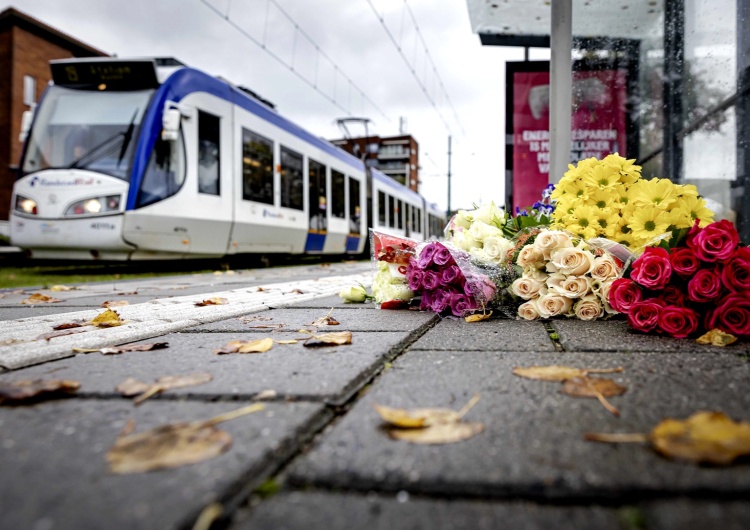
{"x": 598, "y": 125}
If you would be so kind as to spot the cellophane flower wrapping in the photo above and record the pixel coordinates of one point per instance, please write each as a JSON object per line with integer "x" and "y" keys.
{"x": 562, "y": 275}
{"x": 699, "y": 285}
{"x": 391, "y": 255}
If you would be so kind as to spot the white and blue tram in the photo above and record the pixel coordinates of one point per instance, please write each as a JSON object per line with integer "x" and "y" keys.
{"x": 150, "y": 159}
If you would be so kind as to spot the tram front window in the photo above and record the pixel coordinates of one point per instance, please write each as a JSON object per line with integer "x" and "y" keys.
{"x": 86, "y": 130}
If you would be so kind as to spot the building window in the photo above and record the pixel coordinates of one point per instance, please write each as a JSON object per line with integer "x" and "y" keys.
{"x": 292, "y": 180}
{"x": 338, "y": 194}
{"x": 29, "y": 90}
{"x": 208, "y": 153}
{"x": 257, "y": 167}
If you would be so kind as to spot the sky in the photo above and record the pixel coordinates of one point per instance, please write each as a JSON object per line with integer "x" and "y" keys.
{"x": 342, "y": 48}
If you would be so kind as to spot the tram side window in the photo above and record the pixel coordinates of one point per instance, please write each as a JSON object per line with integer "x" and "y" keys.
{"x": 318, "y": 196}
{"x": 381, "y": 208}
{"x": 165, "y": 172}
{"x": 391, "y": 211}
{"x": 400, "y": 214}
{"x": 407, "y": 213}
{"x": 419, "y": 220}
{"x": 338, "y": 194}
{"x": 208, "y": 153}
{"x": 292, "y": 180}
{"x": 355, "y": 209}
{"x": 257, "y": 167}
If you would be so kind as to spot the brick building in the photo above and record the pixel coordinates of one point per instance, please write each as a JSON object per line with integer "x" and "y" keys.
{"x": 396, "y": 156}
{"x": 26, "y": 47}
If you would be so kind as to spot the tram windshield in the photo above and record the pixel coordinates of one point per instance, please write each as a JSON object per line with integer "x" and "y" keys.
{"x": 86, "y": 130}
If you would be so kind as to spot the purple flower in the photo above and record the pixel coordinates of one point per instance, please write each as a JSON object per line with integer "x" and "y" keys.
{"x": 442, "y": 256}
{"x": 425, "y": 257}
{"x": 414, "y": 277}
{"x": 426, "y": 301}
{"x": 440, "y": 300}
{"x": 461, "y": 304}
{"x": 482, "y": 287}
{"x": 430, "y": 280}
{"x": 450, "y": 274}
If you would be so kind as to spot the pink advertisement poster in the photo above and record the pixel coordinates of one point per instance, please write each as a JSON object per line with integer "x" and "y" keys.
{"x": 598, "y": 125}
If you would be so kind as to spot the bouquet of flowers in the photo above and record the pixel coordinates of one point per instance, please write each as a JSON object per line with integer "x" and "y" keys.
{"x": 391, "y": 255}
{"x": 561, "y": 278}
{"x": 480, "y": 233}
{"x": 699, "y": 286}
{"x": 608, "y": 198}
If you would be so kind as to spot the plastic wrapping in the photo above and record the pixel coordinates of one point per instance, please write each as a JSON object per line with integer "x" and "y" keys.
{"x": 390, "y": 256}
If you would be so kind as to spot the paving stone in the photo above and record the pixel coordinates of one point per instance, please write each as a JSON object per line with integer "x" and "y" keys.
{"x": 488, "y": 335}
{"x": 334, "y": 511}
{"x": 14, "y": 313}
{"x": 338, "y": 303}
{"x": 350, "y": 318}
{"x": 55, "y": 474}
{"x": 532, "y": 445}
{"x": 615, "y": 335}
{"x": 332, "y": 374}
{"x": 691, "y": 513}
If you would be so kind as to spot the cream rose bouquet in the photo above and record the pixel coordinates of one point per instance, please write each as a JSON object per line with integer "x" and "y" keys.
{"x": 563, "y": 276}
{"x": 480, "y": 233}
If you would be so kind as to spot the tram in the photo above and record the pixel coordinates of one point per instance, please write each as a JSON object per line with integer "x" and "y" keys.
{"x": 136, "y": 159}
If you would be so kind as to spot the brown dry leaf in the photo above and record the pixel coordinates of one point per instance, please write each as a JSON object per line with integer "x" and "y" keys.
{"x": 107, "y": 319}
{"x": 133, "y": 387}
{"x": 116, "y": 350}
{"x": 478, "y": 317}
{"x": 716, "y": 337}
{"x": 559, "y": 373}
{"x": 60, "y": 288}
{"x": 27, "y": 389}
{"x": 173, "y": 445}
{"x": 246, "y": 346}
{"x": 296, "y": 291}
{"x": 260, "y": 289}
{"x": 596, "y": 388}
{"x": 60, "y": 333}
{"x": 39, "y": 298}
{"x": 114, "y": 303}
{"x": 216, "y": 300}
{"x": 336, "y": 338}
{"x": 69, "y": 325}
{"x": 326, "y": 320}
{"x": 447, "y": 433}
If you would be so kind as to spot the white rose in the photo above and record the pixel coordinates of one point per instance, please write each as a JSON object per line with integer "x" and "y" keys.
{"x": 490, "y": 214}
{"x": 548, "y": 241}
{"x": 589, "y": 308}
{"x": 526, "y": 288}
{"x": 554, "y": 282}
{"x": 603, "y": 293}
{"x": 528, "y": 310}
{"x": 552, "y": 305}
{"x": 530, "y": 257}
{"x": 576, "y": 286}
{"x": 392, "y": 291}
{"x": 354, "y": 294}
{"x": 496, "y": 248}
{"x": 605, "y": 268}
{"x": 461, "y": 219}
{"x": 480, "y": 231}
{"x": 537, "y": 274}
{"x": 464, "y": 241}
{"x": 571, "y": 261}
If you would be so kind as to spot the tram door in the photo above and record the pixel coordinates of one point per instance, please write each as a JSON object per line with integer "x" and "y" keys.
{"x": 317, "y": 206}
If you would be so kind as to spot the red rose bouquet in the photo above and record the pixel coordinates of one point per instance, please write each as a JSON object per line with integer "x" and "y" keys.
{"x": 701, "y": 285}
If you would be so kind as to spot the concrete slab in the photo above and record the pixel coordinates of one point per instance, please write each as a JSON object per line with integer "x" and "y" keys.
{"x": 337, "y": 302}
{"x": 350, "y": 318}
{"x": 690, "y": 513}
{"x": 336, "y": 511}
{"x": 489, "y": 335}
{"x": 20, "y": 312}
{"x": 331, "y": 374}
{"x": 615, "y": 335}
{"x": 532, "y": 446}
{"x": 56, "y": 476}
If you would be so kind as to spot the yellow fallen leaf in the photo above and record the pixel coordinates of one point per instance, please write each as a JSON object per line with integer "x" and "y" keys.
{"x": 133, "y": 387}
{"x": 600, "y": 389}
{"x": 478, "y": 317}
{"x": 716, "y": 337}
{"x": 246, "y": 346}
{"x": 416, "y": 418}
{"x": 60, "y": 288}
{"x": 290, "y": 341}
{"x": 216, "y": 300}
{"x": 336, "y": 338}
{"x": 559, "y": 373}
{"x": 107, "y": 319}
{"x": 446, "y": 433}
{"x": 114, "y": 303}
{"x": 39, "y": 298}
{"x": 28, "y": 389}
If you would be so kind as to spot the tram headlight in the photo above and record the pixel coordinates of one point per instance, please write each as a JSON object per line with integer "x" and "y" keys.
{"x": 94, "y": 205}
{"x": 26, "y": 205}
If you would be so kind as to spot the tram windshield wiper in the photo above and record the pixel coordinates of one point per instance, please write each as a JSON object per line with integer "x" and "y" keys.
{"x": 106, "y": 147}
{"x": 127, "y": 138}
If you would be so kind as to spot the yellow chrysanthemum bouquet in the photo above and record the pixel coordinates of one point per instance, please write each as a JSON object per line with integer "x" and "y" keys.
{"x": 608, "y": 198}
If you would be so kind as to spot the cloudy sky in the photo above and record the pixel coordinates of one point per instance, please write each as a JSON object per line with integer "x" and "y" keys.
{"x": 459, "y": 91}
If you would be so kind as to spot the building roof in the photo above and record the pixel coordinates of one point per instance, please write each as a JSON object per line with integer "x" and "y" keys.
{"x": 13, "y": 17}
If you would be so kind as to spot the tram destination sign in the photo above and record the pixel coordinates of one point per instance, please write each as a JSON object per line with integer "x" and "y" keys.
{"x": 105, "y": 74}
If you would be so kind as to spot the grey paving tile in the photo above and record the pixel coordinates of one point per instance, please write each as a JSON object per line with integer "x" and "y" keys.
{"x": 338, "y": 303}
{"x": 331, "y": 374}
{"x": 532, "y": 444}
{"x": 489, "y": 335}
{"x": 615, "y": 335}
{"x": 55, "y": 474}
{"x": 315, "y": 510}
{"x": 691, "y": 513}
{"x": 14, "y": 313}
{"x": 350, "y": 318}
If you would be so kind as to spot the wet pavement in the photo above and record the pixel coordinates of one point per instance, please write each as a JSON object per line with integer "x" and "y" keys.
{"x": 317, "y": 456}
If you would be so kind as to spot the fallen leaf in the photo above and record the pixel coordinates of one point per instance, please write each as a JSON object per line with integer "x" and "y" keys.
{"x": 594, "y": 387}
{"x": 478, "y": 317}
{"x": 60, "y": 288}
{"x": 107, "y": 319}
{"x": 438, "y": 434}
{"x": 716, "y": 337}
{"x": 27, "y": 389}
{"x": 559, "y": 373}
{"x": 266, "y": 394}
{"x": 69, "y": 325}
{"x": 336, "y": 338}
{"x": 216, "y": 300}
{"x": 132, "y": 387}
{"x": 260, "y": 289}
{"x": 296, "y": 291}
{"x": 416, "y": 418}
{"x": 39, "y": 298}
{"x": 173, "y": 445}
{"x": 60, "y": 333}
{"x": 326, "y": 320}
{"x": 114, "y": 303}
{"x": 116, "y": 350}
{"x": 267, "y": 326}
{"x": 290, "y": 341}
{"x": 246, "y": 346}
